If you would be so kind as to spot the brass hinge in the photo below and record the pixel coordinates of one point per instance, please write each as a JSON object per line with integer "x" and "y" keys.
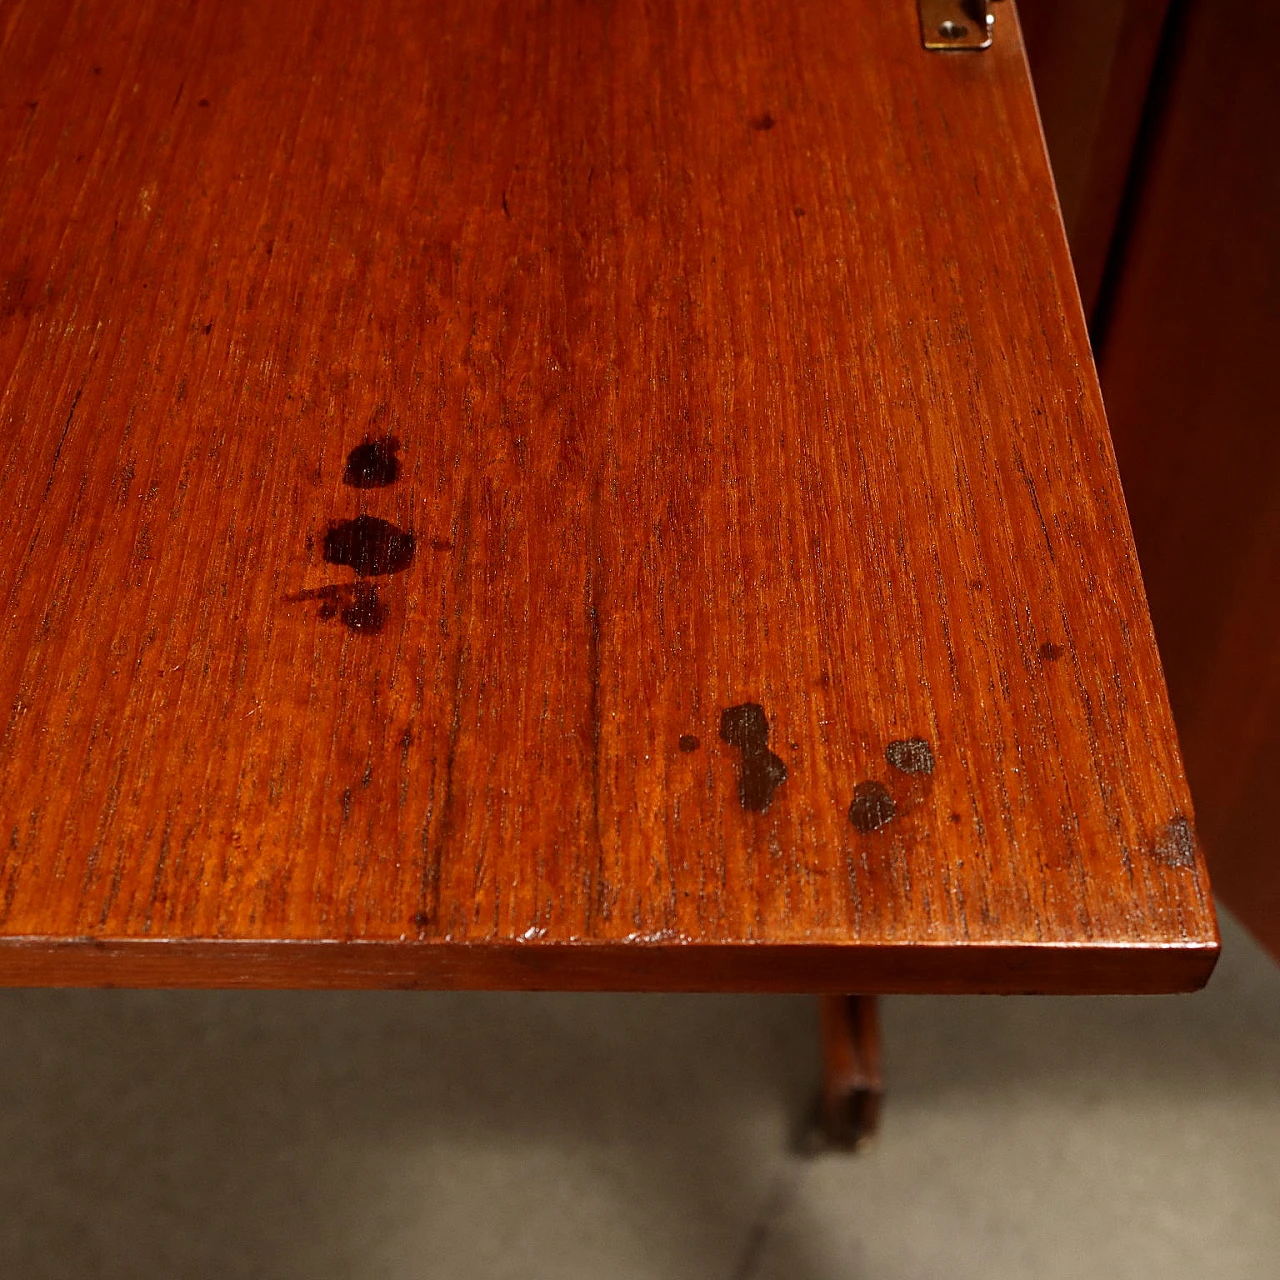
{"x": 955, "y": 24}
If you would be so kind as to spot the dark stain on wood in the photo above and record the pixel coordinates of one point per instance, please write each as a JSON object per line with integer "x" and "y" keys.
{"x": 910, "y": 755}
{"x": 688, "y": 742}
{"x": 365, "y": 611}
{"x": 358, "y": 604}
{"x": 369, "y": 545}
{"x": 762, "y": 771}
{"x": 1050, "y": 652}
{"x": 873, "y": 807}
{"x": 1176, "y": 843}
{"x": 373, "y": 464}
{"x": 762, "y": 123}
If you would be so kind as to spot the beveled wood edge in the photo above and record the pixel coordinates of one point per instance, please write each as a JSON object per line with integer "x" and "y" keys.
{"x": 877, "y": 969}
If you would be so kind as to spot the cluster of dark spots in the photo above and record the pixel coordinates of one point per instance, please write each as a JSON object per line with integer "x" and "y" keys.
{"x": 373, "y": 464}
{"x": 1176, "y": 843}
{"x": 762, "y": 772}
{"x": 1050, "y": 652}
{"x": 876, "y": 804}
{"x": 872, "y": 806}
{"x": 370, "y": 545}
{"x": 357, "y": 604}
{"x": 762, "y": 123}
{"x": 688, "y": 742}
{"x": 910, "y": 755}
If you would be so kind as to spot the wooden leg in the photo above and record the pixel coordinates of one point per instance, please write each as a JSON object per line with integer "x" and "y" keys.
{"x": 849, "y": 1106}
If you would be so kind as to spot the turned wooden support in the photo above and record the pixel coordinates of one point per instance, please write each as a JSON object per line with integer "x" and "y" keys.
{"x": 849, "y": 1105}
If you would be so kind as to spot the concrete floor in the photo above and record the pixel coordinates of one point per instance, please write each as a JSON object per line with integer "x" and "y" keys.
{"x": 398, "y": 1135}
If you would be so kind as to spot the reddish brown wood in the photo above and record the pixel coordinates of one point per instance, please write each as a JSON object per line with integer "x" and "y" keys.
{"x": 1189, "y": 365}
{"x": 734, "y": 360}
{"x": 1092, "y": 63}
{"x": 852, "y": 1084}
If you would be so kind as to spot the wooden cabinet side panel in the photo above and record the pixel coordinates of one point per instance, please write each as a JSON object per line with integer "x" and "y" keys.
{"x": 1190, "y": 375}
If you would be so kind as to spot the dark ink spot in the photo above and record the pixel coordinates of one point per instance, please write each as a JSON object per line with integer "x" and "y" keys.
{"x": 762, "y": 773}
{"x": 365, "y": 612}
{"x": 688, "y": 742}
{"x": 1176, "y": 843}
{"x": 97, "y": 71}
{"x": 357, "y": 604}
{"x": 762, "y": 123}
{"x": 373, "y": 465}
{"x": 955, "y": 817}
{"x": 872, "y": 806}
{"x": 1050, "y": 652}
{"x": 369, "y": 545}
{"x": 422, "y": 920}
{"x": 208, "y": 328}
{"x": 910, "y": 755}
{"x": 204, "y": 102}
{"x": 745, "y": 726}
{"x": 504, "y": 205}
{"x": 799, "y": 212}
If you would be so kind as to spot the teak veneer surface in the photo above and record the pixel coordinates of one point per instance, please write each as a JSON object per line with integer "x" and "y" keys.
{"x": 734, "y": 360}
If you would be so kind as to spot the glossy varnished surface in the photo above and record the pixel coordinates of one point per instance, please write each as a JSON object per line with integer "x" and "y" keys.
{"x": 729, "y": 585}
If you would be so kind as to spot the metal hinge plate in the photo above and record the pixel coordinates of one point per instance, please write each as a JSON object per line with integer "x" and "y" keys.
{"x": 955, "y": 24}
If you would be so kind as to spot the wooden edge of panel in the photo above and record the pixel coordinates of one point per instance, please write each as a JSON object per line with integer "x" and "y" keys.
{"x": 883, "y": 969}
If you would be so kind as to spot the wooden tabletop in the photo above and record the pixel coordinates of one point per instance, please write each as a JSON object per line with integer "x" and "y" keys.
{"x": 561, "y": 495}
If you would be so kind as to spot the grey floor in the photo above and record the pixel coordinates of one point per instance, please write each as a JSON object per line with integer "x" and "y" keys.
{"x": 400, "y": 1135}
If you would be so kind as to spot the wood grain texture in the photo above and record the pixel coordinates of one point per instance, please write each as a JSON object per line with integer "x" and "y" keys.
{"x": 734, "y": 361}
{"x": 1189, "y": 366}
